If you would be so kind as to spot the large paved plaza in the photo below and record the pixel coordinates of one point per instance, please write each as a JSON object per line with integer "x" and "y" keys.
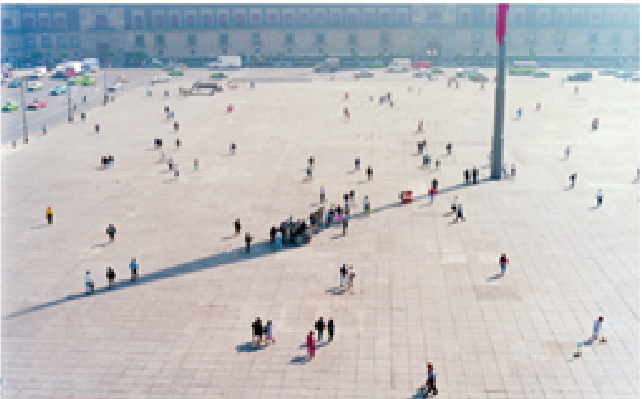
{"x": 425, "y": 290}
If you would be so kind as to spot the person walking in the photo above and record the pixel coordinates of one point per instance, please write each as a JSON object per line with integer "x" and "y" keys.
{"x": 573, "y": 179}
{"x": 178, "y": 143}
{"x": 513, "y": 171}
{"x": 342, "y": 275}
{"x": 44, "y": 129}
{"x": 366, "y": 205}
{"x": 346, "y": 203}
{"x": 431, "y": 379}
{"x": 637, "y": 177}
{"x": 195, "y": 165}
{"x": 330, "y": 330}
{"x": 176, "y": 172}
{"x": 433, "y": 192}
{"x": 449, "y": 148}
{"x": 475, "y": 172}
{"x": 111, "y": 232}
{"x": 269, "y": 332}
{"x": 49, "y": 214}
{"x": 357, "y": 163}
{"x": 232, "y": 148}
{"x": 133, "y": 266}
{"x": 597, "y": 327}
{"x": 599, "y": 196}
{"x": 453, "y": 206}
{"x": 351, "y": 276}
{"x": 248, "y": 241}
{"x": 319, "y": 326}
{"x": 369, "y": 172}
{"x": 503, "y": 261}
{"x": 111, "y": 275}
{"x": 345, "y": 225}
{"x": 279, "y": 239}
{"x": 308, "y": 173}
{"x": 237, "y": 227}
{"x": 311, "y": 345}
{"x": 437, "y": 164}
{"x": 460, "y": 214}
{"x": 89, "y": 283}
{"x": 272, "y": 235}
{"x": 322, "y": 195}
{"x": 567, "y": 152}
{"x": 257, "y": 332}
{"x": 466, "y": 176}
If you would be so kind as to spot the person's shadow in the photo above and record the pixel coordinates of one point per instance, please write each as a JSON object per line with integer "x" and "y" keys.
{"x": 494, "y": 277}
{"x": 100, "y": 245}
{"x": 300, "y": 360}
{"x": 336, "y": 291}
{"x": 593, "y": 208}
{"x": 40, "y": 226}
{"x": 248, "y": 347}
{"x": 419, "y": 394}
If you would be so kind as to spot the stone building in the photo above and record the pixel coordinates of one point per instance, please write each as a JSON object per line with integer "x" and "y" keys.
{"x": 565, "y": 32}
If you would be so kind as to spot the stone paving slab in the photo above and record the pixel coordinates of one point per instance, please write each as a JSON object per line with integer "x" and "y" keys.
{"x": 424, "y": 289}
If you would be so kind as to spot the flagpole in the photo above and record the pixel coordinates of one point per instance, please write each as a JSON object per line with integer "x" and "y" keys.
{"x": 497, "y": 157}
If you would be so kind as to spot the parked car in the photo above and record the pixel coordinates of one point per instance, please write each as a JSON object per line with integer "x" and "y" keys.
{"x": 625, "y": 75}
{"x": 364, "y": 74}
{"x": 15, "y": 83}
{"x": 34, "y": 86}
{"x": 10, "y": 106}
{"x": 74, "y": 80}
{"x": 87, "y": 81}
{"x": 160, "y": 79}
{"x": 58, "y": 90}
{"x": 115, "y": 87}
{"x": 477, "y": 77}
{"x": 580, "y": 77}
{"x": 36, "y": 104}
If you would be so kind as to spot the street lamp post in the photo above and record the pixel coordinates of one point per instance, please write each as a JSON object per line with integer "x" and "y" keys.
{"x": 70, "y": 115}
{"x": 25, "y": 131}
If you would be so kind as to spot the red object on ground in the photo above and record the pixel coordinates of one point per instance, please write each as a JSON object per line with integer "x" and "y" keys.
{"x": 406, "y": 197}
{"x": 502, "y": 13}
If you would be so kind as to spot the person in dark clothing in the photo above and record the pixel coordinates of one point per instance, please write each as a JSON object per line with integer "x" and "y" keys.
{"x": 475, "y": 171}
{"x": 345, "y": 226}
{"x": 466, "y": 176}
{"x": 257, "y": 332}
{"x": 435, "y": 183}
{"x": 111, "y": 275}
{"x": 232, "y": 148}
{"x": 175, "y": 126}
{"x": 343, "y": 272}
{"x": 369, "y": 173}
{"x": 237, "y": 227}
{"x": 248, "y": 241}
{"x": 330, "y": 330}
{"x": 449, "y": 148}
{"x": 272, "y": 235}
{"x": 319, "y": 326}
{"x": 111, "y": 232}
{"x": 431, "y": 380}
{"x": 357, "y": 163}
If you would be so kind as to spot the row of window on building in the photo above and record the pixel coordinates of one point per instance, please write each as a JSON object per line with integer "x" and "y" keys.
{"x": 400, "y": 16}
{"x": 385, "y": 38}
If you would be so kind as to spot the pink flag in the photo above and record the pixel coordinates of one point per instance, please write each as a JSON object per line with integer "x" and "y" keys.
{"x": 502, "y": 12}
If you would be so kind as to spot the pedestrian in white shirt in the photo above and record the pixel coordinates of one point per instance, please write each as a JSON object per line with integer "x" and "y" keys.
{"x": 89, "y": 282}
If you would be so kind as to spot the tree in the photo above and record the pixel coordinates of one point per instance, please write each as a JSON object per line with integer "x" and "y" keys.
{"x": 64, "y": 54}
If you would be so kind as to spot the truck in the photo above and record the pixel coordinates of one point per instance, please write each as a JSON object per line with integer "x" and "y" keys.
{"x": 329, "y": 65}
{"x": 226, "y": 62}
{"x": 400, "y": 65}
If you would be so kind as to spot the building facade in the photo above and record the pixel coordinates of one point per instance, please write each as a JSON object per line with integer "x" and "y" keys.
{"x": 203, "y": 31}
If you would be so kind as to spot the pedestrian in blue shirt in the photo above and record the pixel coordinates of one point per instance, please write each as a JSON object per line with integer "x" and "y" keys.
{"x": 133, "y": 266}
